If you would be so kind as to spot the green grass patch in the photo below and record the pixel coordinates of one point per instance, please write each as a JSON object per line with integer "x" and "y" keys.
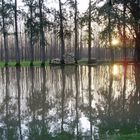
{"x": 23, "y": 63}
{"x": 83, "y": 61}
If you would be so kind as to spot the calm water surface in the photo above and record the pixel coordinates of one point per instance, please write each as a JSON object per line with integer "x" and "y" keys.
{"x": 56, "y": 103}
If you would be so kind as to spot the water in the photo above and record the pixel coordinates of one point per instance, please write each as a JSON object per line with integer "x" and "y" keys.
{"x": 69, "y": 103}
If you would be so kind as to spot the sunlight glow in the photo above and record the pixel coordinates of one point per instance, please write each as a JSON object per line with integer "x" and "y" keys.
{"x": 115, "y": 70}
{"x": 115, "y": 42}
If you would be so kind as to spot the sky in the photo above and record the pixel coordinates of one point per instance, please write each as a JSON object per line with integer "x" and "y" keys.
{"x": 82, "y": 4}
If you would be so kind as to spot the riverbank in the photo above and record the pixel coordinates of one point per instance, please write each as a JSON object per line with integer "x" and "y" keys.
{"x": 83, "y": 61}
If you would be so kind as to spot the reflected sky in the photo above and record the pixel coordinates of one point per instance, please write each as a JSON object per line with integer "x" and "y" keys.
{"x": 38, "y": 102}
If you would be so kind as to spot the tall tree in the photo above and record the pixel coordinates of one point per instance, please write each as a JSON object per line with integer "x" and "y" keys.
{"x": 76, "y": 32}
{"x": 42, "y": 37}
{"x": 31, "y": 34}
{"x": 31, "y": 4}
{"x": 89, "y": 33}
{"x": 109, "y": 30}
{"x": 61, "y": 33}
{"x": 4, "y": 32}
{"x": 124, "y": 28}
{"x": 16, "y": 36}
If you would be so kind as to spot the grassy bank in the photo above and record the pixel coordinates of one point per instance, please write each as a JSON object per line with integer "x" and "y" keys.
{"x": 83, "y": 61}
{"x": 23, "y": 64}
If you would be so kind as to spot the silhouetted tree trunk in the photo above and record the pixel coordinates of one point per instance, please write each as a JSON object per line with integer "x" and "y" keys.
{"x": 1, "y": 52}
{"x": 31, "y": 35}
{"x": 81, "y": 43}
{"x": 109, "y": 31}
{"x": 16, "y": 37}
{"x": 76, "y": 33}
{"x": 4, "y": 34}
{"x": 42, "y": 38}
{"x": 89, "y": 33}
{"x": 61, "y": 33}
{"x": 124, "y": 30}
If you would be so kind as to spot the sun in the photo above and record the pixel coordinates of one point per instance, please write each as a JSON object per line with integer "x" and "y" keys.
{"x": 115, "y": 42}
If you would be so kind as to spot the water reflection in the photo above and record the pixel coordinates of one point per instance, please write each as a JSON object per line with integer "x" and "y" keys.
{"x": 69, "y": 102}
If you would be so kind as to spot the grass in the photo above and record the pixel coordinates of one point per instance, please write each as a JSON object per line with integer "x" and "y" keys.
{"x": 23, "y": 63}
{"x": 83, "y": 61}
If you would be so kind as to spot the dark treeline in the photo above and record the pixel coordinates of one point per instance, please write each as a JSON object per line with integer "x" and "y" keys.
{"x": 39, "y": 31}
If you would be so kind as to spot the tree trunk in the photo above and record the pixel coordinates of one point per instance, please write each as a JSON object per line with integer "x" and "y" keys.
{"x": 124, "y": 26}
{"x": 109, "y": 31}
{"x": 89, "y": 34}
{"x": 4, "y": 34}
{"x": 16, "y": 37}
{"x": 61, "y": 34}
{"x": 137, "y": 47}
{"x": 42, "y": 38}
{"x": 76, "y": 33}
{"x": 31, "y": 36}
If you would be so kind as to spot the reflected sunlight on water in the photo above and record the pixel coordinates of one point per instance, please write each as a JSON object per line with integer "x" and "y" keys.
{"x": 115, "y": 70}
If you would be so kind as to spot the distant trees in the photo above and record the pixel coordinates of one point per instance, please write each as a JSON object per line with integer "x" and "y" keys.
{"x": 115, "y": 21}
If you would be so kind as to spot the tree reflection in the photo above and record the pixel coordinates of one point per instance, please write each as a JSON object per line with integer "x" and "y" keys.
{"x": 56, "y": 100}
{"x": 120, "y": 112}
{"x": 19, "y": 103}
{"x": 90, "y": 101}
{"x": 76, "y": 102}
{"x": 62, "y": 99}
{"x": 7, "y": 109}
{"x": 134, "y": 106}
{"x": 38, "y": 126}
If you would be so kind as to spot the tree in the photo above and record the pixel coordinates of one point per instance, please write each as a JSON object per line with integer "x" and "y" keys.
{"x": 61, "y": 33}
{"x": 123, "y": 19}
{"x": 31, "y": 5}
{"x": 89, "y": 33}
{"x": 16, "y": 36}
{"x": 4, "y": 32}
{"x": 6, "y": 11}
{"x": 42, "y": 38}
{"x": 76, "y": 32}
